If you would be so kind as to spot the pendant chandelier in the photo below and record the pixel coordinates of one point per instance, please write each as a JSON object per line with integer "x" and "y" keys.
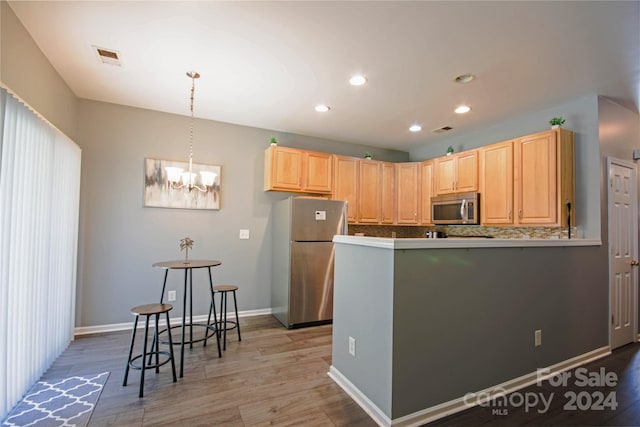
{"x": 187, "y": 180}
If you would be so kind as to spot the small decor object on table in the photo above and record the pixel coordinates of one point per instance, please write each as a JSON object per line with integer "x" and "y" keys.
{"x": 186, "y": 243}
{"x": 367, "y": 155}
{"x": 556, "y": 122}
{"x": 273, "y": 141}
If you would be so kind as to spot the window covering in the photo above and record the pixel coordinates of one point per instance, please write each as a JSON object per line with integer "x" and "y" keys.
{"x": 39, "y": 205}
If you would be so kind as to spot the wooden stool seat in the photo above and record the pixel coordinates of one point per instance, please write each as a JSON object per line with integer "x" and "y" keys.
{"x": 149, "y": 310}
{"x": 223, "y": 290}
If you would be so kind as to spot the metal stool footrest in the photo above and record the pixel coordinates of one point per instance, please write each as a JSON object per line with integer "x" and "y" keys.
{"x": 133, "y": 365}
{"x": 224, "y": 327}
{"x": 213, "y": 330}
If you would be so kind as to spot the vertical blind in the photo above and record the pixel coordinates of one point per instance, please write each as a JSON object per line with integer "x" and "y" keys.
{"x": 39, "y": 203}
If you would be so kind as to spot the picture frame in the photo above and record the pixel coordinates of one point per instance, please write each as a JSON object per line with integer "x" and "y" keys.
{"x": 159, "y": 192}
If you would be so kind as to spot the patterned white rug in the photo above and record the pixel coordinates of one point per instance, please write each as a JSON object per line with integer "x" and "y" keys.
{"x": 62, "y": 403}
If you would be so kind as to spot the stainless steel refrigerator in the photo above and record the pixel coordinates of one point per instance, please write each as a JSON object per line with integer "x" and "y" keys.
{"x": 302, "y": 259}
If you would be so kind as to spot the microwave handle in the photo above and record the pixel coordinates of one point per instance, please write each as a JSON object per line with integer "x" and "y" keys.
{"x": 464, "y": 211}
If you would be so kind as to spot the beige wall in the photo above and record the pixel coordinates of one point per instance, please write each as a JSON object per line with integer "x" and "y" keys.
{"x": 25, "y": 71}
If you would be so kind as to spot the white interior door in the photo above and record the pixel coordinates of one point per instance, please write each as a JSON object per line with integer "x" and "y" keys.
{"x": 623, "y": 249}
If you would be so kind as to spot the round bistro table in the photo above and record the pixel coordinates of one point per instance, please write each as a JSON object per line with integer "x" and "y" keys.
{"x": 188, "y": 285}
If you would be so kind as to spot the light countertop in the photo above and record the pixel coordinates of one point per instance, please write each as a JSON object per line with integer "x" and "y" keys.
{"x": 457, "y": 243}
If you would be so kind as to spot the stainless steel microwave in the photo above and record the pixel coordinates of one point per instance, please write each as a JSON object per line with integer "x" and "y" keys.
{"x": 462, "y": 208}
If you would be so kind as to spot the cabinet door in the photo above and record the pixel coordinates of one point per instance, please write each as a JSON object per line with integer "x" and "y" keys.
{"x": 445, "y": 170}
{"x": 408, "y": 179}
{"x": 466, "y": 172}
{"x": 426, "y": 191}
{"x": 283, "y": 169}
{"x": 345, "y": 184}
{"x": 496, "y": 185}
{"x": 537, "y": 179}
{"x": 369, "y": 192}
{"x": 317, "y": 173}
{"x": 388, "y": 194}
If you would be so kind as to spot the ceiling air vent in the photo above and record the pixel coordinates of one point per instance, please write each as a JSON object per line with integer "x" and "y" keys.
{"x": 442, "y": 129}
{"x": 107, "y": 56}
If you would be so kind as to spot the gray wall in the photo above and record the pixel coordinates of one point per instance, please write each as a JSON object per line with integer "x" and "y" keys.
{"x": 363, "y": 309}
{"x": 464, "y": 319}
{"x": 581, "y": 117}
{"x": 619, "y": 134}
{"x": 120, "y": 239}
{"x": 28, "y": 73}
{"x": 443, "y": 322}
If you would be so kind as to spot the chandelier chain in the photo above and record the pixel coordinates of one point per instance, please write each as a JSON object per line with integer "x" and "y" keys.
{"x": 178, "y": 178}
{"x": 193, "y": 86}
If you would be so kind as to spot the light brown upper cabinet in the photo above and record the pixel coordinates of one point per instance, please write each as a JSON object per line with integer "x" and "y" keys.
{"x": 345, "y": 184}
{"x": 528, "y": 181}
{"x": 496, "y": 184}
{"x": 369, "y": 200}
{"x": 290, "y": 169}
{"x": 544, "y": 171}
{"x": 388, "y": 193}
{"x": 457, "y": 173}
{"x": 408, "y": 182}
{"x": 426, "y": 191}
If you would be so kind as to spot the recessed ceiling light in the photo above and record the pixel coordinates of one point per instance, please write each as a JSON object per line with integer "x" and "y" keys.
{"x": 463, "y": 109}
{"x": 321, "y": 108}
{"x": 415, "y": 128}
{"x": 357, "y": 80}
{"x": 464, "y": 78}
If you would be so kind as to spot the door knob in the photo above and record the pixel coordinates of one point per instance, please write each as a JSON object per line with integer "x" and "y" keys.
{"x": 634, "y": 262}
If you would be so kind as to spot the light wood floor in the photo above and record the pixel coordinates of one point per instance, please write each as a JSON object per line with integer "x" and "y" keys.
{"x": 274, "y": 376}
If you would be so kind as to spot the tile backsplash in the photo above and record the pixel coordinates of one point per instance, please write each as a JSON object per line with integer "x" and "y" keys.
{"x": 463, "y": 231}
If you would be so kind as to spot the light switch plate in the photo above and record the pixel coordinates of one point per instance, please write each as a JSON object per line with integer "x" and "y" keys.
{"x": 244, "y": 234}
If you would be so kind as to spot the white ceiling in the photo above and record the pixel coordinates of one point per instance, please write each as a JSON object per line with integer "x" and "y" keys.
{"x": 267, "y": 64}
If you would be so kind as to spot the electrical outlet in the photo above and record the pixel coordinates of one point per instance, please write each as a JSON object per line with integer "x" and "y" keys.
{"x": 352, "y": 346}
{"x": 244, "y": 234}
{"x": 538, "y": 338}
{"x": 171, "y": 295}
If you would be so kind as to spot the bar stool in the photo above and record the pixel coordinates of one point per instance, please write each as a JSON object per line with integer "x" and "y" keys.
{"x": 224, "y": 290}
{"x": 149, "y": 310}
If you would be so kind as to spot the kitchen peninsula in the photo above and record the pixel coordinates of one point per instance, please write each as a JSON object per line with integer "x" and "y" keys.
{"x": 419, "y": 323}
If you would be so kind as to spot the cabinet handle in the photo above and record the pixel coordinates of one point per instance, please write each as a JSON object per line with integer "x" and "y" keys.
{"x": 509, "y": 214}
{"x": 520, "y": 213}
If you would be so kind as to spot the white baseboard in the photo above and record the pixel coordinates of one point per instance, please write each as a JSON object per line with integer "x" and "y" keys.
{"x": 85, "y": 330}
{"x": 442, "y": 410}
{"x": 365, "y": 403}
